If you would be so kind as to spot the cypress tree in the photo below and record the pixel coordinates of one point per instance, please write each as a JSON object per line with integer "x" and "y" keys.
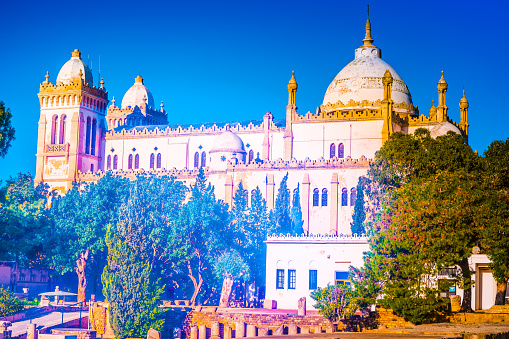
{"x": 359, "y": 213}
{"x": 282, "y": 208}
{"x": 297, "y": 221}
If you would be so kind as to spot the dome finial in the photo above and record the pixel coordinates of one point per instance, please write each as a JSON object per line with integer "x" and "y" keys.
{"x": 138, "y": 79}
{"x": 76, "y": 53}
{"x": 47, "y": 79}
{"x": 102, "y": 83}
{"x": 368, "y": 41}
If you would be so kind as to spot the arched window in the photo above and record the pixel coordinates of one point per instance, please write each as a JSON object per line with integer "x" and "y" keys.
{"x": 316, "y": 197}
{"x": 61, "y": 135}
{"x": 108, "y": 162}
{"x": 159, "y": 160}
{"x": 115, "y": 162}
{"x": 341, "y": 151}
{"x": 251, "y": 155}
{"x": 130, "y": 162}
{"x": 353, "y": 196}
{"x": 137, "y": 161}
{"x": 196, "y": 160}
{"x": 203, "y": 159}
{"x": 324, "y": 197}
{"x": 344, "y": 197}
{"x": 54, "y": 129}
{"x": 87, "y": 136}
{"x": 152, "y": 161}
{"x": 332, "y": 150}
{"x": 252, "y": 197}
{"x": 94, "y": 131}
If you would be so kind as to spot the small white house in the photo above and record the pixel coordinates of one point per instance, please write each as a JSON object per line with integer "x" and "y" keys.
{"x": 297, "y": 265}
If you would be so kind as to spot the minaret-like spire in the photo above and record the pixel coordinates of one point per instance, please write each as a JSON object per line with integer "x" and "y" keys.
{"x": 291, "y": 112}
{"x": 292, "y": 89}
{"x": 432, "y": 110}
{"x": 463, "y": 122}
{"x": 442, "y": 107}
{"x": 102, "y": 83}
{"x": 368, "y": 41}
{"x": 47, "y": 78}
{"x": 162, "y": 107}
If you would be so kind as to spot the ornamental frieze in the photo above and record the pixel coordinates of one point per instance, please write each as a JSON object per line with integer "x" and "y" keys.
{"x": 344, "y": 85}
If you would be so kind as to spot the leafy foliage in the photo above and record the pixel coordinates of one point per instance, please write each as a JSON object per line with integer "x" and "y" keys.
{"x": 334, "y": 302}
{"x": 296, "y": 213}
{"x": 9, "y": 303}
{"x": 7, "y": 132}
{"x": 282, "y": 208}
{"x": 359, "y": 212}
{"x": 24, "y": 221}
{"x": 231, "y": 264}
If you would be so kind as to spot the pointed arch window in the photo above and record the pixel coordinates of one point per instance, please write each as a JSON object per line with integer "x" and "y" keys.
{"x": 203, "y": 159}
{"x": 108, "y": 163}
{"x": 324, "y": 197}
{"x": 115, "y": 162}
{"x": 94, "y": 131}
{"x": 130, "y": 162}
{"x": 353, "y": 196}
{"x": 136, "y": 161}
{"x": 341, "y": 151}
{"x": 159, "y": 160}
{"x": 196, "y": 160}
{"x": 344, "y": 197}
{"x": 61, "y": 135}
{"x": 54, "y": 125}
{"x": 332, "y": 150}
{"x": 251, "y": 155}
{"x": 152, "y": 160}
{"x": 316, "y": 197}
{"x": 87, "y": 136}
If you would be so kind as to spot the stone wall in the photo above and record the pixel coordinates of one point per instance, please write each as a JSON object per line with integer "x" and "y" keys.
{"x": 386, "y": 318}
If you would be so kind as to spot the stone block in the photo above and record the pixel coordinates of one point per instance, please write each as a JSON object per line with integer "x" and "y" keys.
{"x": 251, "y": 331}
{"x": 202, "y": 332}
{"x": 214, "y": 330}
{"x": 280, "y": 330}
{"x": 31, "y": 331}
{"x": 270, "y": 304}
{"x": 330, "y": 329}
{"x": 304, "y": 330}
{"x": 263, "y": 332}
{"x": 194, "y": 332}
{"x": 302, "y": 306}
{"x": 227, "y": 332}
{"x": 152, "y": 334}
{"x": 318, "y": 329}
{"x": 177, "y": 333}
{"x": 240, "y": 330}
{"x": 292, "y": 329}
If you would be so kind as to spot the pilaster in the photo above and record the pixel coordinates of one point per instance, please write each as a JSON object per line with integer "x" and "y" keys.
{"x": 228, "y": 191}
{"x": 334, "y": 204}
{"x": 41, "y": 144}
{"x": 270, "y": 191}
{"x": 304, "y": 203}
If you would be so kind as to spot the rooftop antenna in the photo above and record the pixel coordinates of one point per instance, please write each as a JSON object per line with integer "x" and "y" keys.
{"x": 368, "y": 11}
{"x": 99, "y": 67}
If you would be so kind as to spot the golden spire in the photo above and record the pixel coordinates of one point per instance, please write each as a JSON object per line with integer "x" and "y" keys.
{"x": 76, "y": 53}
{"x": 292, "y": 88}
{"x": 368, "y": 41}
{"x": 102, "y": 83}
{"x": 47, "y": 78}
{"x": 138, "y": 79}
{"x": 433, "y": 109}
{"x": 442, "y": 80}
{"x": 463, "y": 101}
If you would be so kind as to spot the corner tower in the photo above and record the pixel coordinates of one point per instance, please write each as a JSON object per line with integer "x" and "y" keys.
{"x": 71, "y": 125}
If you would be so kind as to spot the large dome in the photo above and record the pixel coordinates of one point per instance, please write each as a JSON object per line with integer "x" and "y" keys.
{"x": 361, "y": 79}
{"x": 228, "y": 142}
{"x": 75, "y": 68}
{"x": 442, "y": 129}
{"x": 137, "y": 94}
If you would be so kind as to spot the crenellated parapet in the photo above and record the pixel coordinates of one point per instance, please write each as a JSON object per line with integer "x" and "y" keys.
{"x": 338, "y": 109}
{"x": 75, "y": 92}
{"x": 317, "y": 238}
{"x": 135, "y": 116}
{"x": 170, "y": 131}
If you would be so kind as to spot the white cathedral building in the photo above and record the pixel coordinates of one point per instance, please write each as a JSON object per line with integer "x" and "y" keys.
{"x": 82, "y": 135}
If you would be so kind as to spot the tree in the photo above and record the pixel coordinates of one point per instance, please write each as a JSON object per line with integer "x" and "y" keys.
{"x": 228, "y": 267}
{"x": 9, "y": 303}
{"x": 495, "y": 214}
{"x": 359, "y": 213}
{"x": 200, "y": 235}
{"x": 80, "y": 221}
{"x": 6, "y": 130}
{"x": 24, "y": 221}
{"x": 334, "y": 302}
{"x": 296, "y": 213}
{"x": 282, "y": 208}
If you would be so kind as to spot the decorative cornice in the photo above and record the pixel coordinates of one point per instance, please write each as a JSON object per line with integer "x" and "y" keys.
{"x": 75, "y": 85}
{"x": 317, "y": 238}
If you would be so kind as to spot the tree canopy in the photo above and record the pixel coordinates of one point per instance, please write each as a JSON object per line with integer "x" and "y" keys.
{"x": 7, "y": 132}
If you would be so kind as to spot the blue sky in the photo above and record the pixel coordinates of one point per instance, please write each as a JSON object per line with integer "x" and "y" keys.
{"x": 231, "y": 60}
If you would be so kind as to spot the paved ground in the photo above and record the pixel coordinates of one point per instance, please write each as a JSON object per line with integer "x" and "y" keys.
{"x": 46, "y": 320}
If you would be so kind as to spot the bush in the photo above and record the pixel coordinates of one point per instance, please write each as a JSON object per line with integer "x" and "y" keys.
{"x": 9, "y": 303}
{"x": 334, "y": 302}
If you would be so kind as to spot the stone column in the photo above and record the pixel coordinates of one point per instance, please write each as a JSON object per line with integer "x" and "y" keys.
{"x": 202, "y": 332}
{"x": 304, "y": 330}
{"x": 228, "y": 191}
{"x": 270, "y": 191}
{"x": 239, "y": 329}
{"x": 263, "y": 332}
{"x": 334, "y": 204}
{"x": 302, "y": 306}
{"x": 267, "y": 122}
{"x": 31, "y": 331}
{"x": 304, "y": 202}
{"x": 194, "y": 332}
{"x": 318, "y": 329}
{"x": 214, "y": 330}
{"x": 227, "y": 332}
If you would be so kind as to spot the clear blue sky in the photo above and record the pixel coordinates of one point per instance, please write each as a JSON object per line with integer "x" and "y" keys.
{"x": 231, "y": 60}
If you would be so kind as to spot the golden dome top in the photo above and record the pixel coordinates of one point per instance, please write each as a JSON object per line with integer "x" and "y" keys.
{"x": 292, "y": 84}
{"x": 463, "y": 101}
{"x": 138, "y": 79}
{"x": 76, "y": 53}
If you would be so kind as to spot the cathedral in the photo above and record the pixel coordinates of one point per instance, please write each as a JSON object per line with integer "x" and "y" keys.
{"x": 82, "y": 135}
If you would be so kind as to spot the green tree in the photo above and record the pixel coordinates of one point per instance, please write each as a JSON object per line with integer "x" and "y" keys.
{"x": 24, "y": 221}
{"x": 359, "y": 213}
{"x": 201, "y": 233}
{"x": 296, "y": 213}
{"x": 334, "y": 302}
{"x": 495, "y": 214}
{"x": 282, "y": 208}
{"x": 6, "y": 130}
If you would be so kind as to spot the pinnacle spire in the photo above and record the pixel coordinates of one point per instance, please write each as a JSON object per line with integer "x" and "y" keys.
{"x": 368, "y": 41}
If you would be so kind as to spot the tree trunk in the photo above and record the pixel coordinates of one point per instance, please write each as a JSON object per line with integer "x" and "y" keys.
{"x": 197, "y": 284}
{"x": 81, "y": 265}
{"x": 226, "y": 291}
{"x": 501, "y": 290}
{"x": 466, "y": 305}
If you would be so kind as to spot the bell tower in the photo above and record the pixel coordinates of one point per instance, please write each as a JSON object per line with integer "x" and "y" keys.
{"x": 71, "y": 125}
